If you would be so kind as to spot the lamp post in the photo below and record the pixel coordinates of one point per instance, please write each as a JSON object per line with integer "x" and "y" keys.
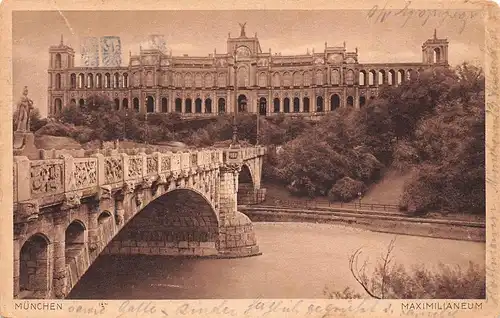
{"x": 146, "y": 131}
{"x": 234, "y": 142}
{"x": 258, "y": 120}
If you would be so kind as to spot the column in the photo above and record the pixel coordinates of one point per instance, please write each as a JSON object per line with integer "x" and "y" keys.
{"x": 93, "y": 229}
{"x": 356, "y": 98}
{"x": 301, "y": 101}
{"x": 17, "y": 250}
{"x": 60, "y": 220}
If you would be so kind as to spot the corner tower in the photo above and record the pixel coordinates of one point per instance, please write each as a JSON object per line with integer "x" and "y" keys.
{"x": 435, "y": 51}
{"x": 62, "y": 58}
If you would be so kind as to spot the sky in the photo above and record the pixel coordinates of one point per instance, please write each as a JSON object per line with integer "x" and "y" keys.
{"x": 398, "y": 38}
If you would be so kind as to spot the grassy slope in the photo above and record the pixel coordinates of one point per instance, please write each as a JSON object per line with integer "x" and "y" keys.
{"x": 387, "y": 191}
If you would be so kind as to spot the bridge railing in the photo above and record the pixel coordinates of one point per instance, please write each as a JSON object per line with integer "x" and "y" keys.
{"x": 311, "y": 204}
{"x": 48, "y": 180}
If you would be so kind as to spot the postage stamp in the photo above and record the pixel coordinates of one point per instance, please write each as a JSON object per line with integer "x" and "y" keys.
{"x": 89, "y": 51}
{"x": 111, "y": 51}
{"x": 158, "y": 42}
{"x": 268, "y": 159}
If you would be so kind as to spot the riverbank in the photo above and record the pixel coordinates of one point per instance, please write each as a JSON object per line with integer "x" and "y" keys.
{"x": 373, "y": 221}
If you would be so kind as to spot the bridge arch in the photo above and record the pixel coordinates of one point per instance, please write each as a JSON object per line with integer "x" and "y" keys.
{"x": 181, "y": 221}
{"x": 34, "y": 267}
{"x": 246, "y": 185}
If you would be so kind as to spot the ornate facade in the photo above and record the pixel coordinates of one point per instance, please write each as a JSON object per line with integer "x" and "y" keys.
{"x": 270, "y": 83}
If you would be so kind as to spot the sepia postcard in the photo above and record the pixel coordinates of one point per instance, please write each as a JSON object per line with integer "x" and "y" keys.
{"x": 249, "y": 159}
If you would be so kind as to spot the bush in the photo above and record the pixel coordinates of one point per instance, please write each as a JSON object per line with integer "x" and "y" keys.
{"x": 59, "y": 129}
{"x": 393, "y": 281}
{"x": 346, "y": 189}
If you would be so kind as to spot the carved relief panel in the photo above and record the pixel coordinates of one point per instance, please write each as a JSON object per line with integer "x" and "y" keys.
{"x": 46, "y": 178}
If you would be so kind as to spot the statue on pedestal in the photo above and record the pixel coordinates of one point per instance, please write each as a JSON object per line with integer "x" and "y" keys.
{"x": 23, "y": 111}
{"x": 24, "y": 139}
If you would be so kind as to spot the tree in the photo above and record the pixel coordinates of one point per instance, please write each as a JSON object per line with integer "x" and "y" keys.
{"x": 390, "y": 280}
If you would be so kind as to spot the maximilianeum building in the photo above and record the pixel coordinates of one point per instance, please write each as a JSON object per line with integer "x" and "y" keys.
{"x": 269, "y": 83}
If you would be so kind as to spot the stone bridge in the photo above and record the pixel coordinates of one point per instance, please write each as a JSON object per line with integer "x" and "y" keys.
{"x": 68, "y": 210}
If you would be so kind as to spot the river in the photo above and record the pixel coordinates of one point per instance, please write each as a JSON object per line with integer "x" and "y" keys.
{"x": 299, "y": 260}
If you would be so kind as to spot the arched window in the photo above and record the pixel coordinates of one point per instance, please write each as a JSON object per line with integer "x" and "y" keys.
{"x": 276, "y": 80}
{"x": 371, "y": 78}
{"x": 73, "y": 102}
{"x": 58, "y": 60}
{"x": 137, "y": 79}
{"x": 221, "y": 80}
{"x": 164, "y": 105}
{"x": 81, "y": 103}
{"x": 307, "y": 79}
{"x": 287, "y": 79}
{"x": 335, "y": 77}
{"x": 58, "y": 105}
{"x": 391, "y": 77}
{"x": 208, "y": 106}
{"x": 349, "y": 77}
{"x": 81, "y": 80}
{"x": 276, "y": 103}
{"x": 242, "y": 104}
{"x": 297, "y": 79}
{"x": 350, "y": 101}
{"x": 136, "y": 104}
{"x": 319, "y": 104}
{"x": 198, "y": 80}
{"x": 117, "y": 104}
{"x": 188, "y": 106}
{"x": 116, "y": 80}
{"x": 150, "y": 104}
{"x": 243, "y": 77}
{"x": 149, "y": 79}
{"x": 306, "y": 105}
{"x": 319, "y": 77}
{"x": 382, "y": 77}
{"x": 58, "y": 81}
{"x": 262, "y": 79}
{"x": 188, "y": 80}
{"x": 98, "y": 81}
{"x": 209, "y": 80}
{"x": 262, "y": 106}
{"x": 296, "y": 105}
{"x": 197, "y": 105}
{"x": 125, "y": 80}
{"x": 221, "y": 105}
{"x": 107, "y": 80}
{"x": 400, "y": 76}
{"x": 165, "y": 79}
{"x": 334, "y": 102}
{"x": 436, "y": 55}
{"x": 72, "y": 81}
{"x": 177, "y": 80}
{"x": 286, "y": 105}
{"x": 125, "y": 103}
{"x": 362, "y": 78}
{"x": 178, "y": 105}
{"x": 362, "y": 101}
{"x": 90, "y": 80}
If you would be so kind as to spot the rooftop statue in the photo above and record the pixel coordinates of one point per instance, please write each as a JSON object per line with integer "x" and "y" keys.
{"x": 242, "y": 34}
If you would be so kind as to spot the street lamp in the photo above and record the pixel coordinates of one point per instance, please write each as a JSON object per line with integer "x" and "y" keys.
{"x": 234, "y": 142}
{"x": 258, "y": 120}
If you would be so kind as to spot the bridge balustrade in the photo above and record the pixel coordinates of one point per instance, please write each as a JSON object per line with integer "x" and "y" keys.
{"x": 49, "y": 181}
